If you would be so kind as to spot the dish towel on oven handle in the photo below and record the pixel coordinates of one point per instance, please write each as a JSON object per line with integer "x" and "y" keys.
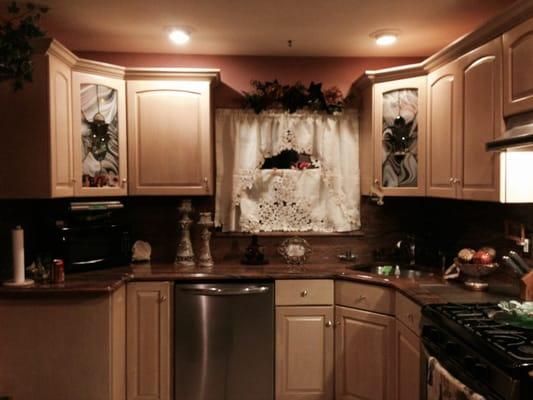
{"x": 443, "y": 386}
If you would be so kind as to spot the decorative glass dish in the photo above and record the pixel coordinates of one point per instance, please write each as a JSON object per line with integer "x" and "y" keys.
{"x": 515, "y": 314}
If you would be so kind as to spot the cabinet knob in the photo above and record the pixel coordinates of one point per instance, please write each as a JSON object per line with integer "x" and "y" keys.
{"x": 304, "y": 293}
{"x": 451, "y": 180}
{"x": 376, "y": 181}
{"x": 162, "y": 298}
{"x": 329, "y": 324}
{"x": 124, "y": 180}
{"x": 73, "y": 180}
{"x": 206, "y": 183}
{"x": 360, "y": 298}
{"x": 456, "y": 180}
{"x": 410, "y": 317}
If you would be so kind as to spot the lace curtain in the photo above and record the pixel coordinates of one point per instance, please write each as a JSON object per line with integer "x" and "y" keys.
{"x": 322, "y": 199}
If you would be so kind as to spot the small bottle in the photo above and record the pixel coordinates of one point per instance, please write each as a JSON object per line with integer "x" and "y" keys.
{"x": 58, "y": 275}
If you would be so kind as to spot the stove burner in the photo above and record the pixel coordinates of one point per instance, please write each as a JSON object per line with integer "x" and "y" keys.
{"x": 527, "y": 349}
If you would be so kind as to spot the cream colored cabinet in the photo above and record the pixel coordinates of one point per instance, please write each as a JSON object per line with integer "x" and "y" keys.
{"x": 36, "y": 129}
{"x": 393, "y": 134}
{"x": 464, "y": 113}
{"x": 170, "y": 136}
{"x": 304, "y": 339}
{"x": 517, "y": 61}
{"x": 149, "y": 348}
{"x": 408, "y": 379}
{"x": 365, "y": 358}
{"x": 444, "y": 110}
{"x": 63, "y": 347}
{"x": 304, "y": 353}
{"x": 99, "y": 135}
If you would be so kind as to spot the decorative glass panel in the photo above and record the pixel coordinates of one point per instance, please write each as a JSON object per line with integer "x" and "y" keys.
{"x": 99, "y": 135}
{"x": 400, "y": 138}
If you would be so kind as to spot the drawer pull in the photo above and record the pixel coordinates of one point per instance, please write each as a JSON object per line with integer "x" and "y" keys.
{"x": 304, "y": 293}
{"x": 360, "y": 298}
{"x": 329, "y": 324}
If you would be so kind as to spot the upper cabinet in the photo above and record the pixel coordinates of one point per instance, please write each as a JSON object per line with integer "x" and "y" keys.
{"x": 170, "y": 133}
{"x": 517, "y": 62}
{"x": 99, "y": 135}
{"x": 393, "y": 134}
{"x": 36, "y": 149}
{"x": 464, "y": 113}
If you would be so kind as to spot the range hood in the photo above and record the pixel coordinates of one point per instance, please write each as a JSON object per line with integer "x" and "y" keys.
{"x": 518, "y": 142}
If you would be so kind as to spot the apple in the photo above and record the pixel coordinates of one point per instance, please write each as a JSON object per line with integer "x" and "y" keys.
{"x": 482, "y": 257}
{"x": 466, "y": 255}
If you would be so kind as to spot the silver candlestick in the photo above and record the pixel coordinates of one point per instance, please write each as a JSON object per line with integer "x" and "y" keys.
{"x": 185, "y": 254}
{"x": 204, "y": 257}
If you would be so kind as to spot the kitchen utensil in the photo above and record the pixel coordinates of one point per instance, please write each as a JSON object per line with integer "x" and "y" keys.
{"x": 510, "y": 263}
{"x": 519, "y": 261}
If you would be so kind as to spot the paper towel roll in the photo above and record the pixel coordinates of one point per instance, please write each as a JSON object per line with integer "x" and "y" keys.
{"x": 17, "y": 238}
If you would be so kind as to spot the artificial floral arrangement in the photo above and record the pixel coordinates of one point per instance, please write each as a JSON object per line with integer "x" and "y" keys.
{"x": 273, "y": 95}
{"x": 16, "y": 51}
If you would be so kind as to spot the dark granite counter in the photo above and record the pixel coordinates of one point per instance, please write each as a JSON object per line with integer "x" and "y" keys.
{"x": 423, "y": 290}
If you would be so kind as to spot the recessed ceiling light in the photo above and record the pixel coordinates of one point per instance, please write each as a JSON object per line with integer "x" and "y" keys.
{"x": 179, "y": 36}
{"x": 385, "y": 38}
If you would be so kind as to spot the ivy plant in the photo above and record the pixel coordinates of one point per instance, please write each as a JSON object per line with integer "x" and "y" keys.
{"x": 17, "y": 29}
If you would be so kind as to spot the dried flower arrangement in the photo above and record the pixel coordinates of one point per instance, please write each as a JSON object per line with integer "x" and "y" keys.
{"x": 16, "y": 51}
{"x": 273, "y": 95}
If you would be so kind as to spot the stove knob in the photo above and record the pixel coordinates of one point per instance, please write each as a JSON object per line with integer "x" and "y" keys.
{"x": 470, "y": 363}
{"x": 451, "y": 347}
{"x": 481, "y": 371}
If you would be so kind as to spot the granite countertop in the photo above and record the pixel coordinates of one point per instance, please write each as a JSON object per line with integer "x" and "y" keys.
{"x": 423, "y": 290}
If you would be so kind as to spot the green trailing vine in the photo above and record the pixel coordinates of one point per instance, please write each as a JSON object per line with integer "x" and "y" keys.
{"x": 17, "y": 29}
{"x": 273, "y": 95}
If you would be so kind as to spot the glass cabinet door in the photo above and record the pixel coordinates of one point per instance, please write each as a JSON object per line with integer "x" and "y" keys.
{"x": 399, "y": 137}
{"x": 99, "y": 135}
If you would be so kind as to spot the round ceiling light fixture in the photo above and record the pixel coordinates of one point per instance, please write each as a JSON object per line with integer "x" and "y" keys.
{"x": 385, "y": 37}
{"x": 179, "y": 35}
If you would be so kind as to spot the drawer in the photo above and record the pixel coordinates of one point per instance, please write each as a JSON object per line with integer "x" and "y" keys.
{"x": 304, "y": 292}
{"x": 365, "y": 297}
{"x": 408, "y": 312}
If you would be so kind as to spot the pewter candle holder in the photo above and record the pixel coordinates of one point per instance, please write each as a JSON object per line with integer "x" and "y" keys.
{"x": 185, "y": 253}
{"x": 204, "y": 257}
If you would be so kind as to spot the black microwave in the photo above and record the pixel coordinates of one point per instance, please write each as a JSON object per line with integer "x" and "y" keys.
{"x": 94, "y": 241}
{"x": 93, "y": 247}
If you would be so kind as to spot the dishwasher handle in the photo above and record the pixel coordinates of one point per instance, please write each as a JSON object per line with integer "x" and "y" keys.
{"x": 216, "y": 291}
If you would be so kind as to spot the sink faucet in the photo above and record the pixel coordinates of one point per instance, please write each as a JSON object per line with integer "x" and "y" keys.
{"x": 410, "y": 247}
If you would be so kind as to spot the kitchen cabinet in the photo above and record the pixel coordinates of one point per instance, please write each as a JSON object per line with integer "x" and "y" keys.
{"x": 464, "y": 113}
{"x": 37, "y": 142}
{"x": 66, "y": 346}
{"x": 517, "y": 61}
{"x": 99, "y": 135}
{"x": 393, "y": 137}
{"x": 408, "y": 378}
{"x": 304, "y": 353}
{"x": 304, "y": 340}
{"x": 149, "y": 348}
{"x": 170, "y": 145}
{"x": 365, "y": 362}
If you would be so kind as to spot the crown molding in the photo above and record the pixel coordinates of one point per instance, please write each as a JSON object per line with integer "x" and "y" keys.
{"x": 50, "y": 46}
{"x": 100, "y": 68}
{"x": 210, "y": 74}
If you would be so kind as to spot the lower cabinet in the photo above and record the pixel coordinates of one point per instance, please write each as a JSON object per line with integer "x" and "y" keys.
{"x": 304, "y": 353}
{"x": 365, "y": 357}
{"x": 149, "y": 333}
{"x": 408, "y": 363}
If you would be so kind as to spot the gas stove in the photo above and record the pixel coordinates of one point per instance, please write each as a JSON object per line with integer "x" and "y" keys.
{"x": 493, "y": 358}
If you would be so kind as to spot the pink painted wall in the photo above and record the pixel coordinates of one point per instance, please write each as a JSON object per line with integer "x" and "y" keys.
{"x": 238, "y": 71}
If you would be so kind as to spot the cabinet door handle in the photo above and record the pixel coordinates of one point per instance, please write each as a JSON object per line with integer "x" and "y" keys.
{"x": 304, "y": 293}
{"x": 329, "y": 324}
{"x": 206, "y": 183}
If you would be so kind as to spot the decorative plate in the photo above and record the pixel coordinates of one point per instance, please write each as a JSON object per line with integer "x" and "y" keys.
{"x": 294, "y": 251}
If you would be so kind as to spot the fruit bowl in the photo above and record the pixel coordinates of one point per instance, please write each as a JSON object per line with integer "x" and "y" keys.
{"x": 475, "y": 272}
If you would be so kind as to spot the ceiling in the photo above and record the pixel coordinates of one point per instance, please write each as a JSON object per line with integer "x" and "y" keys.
{"x": 252, "y": 27}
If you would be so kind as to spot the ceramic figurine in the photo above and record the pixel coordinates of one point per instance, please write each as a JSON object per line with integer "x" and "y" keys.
{"x": 204, "y": 258}
{"x": 185, "y": 254}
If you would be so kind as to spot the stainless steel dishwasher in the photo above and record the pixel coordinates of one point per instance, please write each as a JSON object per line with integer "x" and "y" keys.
{"x": 224, "y": 341}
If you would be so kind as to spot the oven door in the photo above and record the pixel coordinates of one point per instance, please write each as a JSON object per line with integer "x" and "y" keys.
{"x": 456, "y": 376}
